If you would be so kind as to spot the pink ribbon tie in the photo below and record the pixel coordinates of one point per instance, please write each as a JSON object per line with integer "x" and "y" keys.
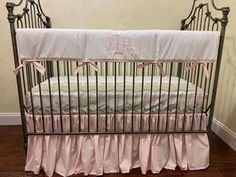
{"x": 154, "y": 63}
{"x": 40, "y": 68}
{"x": 92, "y": 65}
{"x": 193, "y": 65}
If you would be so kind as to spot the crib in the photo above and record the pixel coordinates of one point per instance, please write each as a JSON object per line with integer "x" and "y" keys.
{"x": 105, "y": 116}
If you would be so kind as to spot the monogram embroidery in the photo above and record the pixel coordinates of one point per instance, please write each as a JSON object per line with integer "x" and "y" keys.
{"x": 119, "y": 44}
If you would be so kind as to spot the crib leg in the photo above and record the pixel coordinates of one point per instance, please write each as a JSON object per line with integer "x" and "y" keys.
{"x": 25, "y": 143}
{"x": 25, "y": 148}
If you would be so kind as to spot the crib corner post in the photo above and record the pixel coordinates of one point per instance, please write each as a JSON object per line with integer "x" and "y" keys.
{"x": 10, "y": 7}
{"x": 48, "y": 22}
{"x": 25, "y": 147}
{"x": 183, "y": 24}
{"x": 224, "y": 22}
{"x": 11, "y": 18}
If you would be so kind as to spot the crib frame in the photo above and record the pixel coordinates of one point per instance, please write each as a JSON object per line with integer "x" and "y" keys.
{"x": 200, "y": 18}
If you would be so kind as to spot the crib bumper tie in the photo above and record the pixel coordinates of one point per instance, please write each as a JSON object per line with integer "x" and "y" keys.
{"x": 91, "y": 64}
{"x": 205, "y": 69}
{"x": 154, "y": 63}
{"x": 40, "y": 68}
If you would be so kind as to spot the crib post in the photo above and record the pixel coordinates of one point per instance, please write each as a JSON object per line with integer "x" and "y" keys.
{"x": 11, "y": 19}
{"x": 224, "y": 22}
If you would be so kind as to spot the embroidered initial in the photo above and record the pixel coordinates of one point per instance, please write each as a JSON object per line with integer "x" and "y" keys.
{"x": 119, "y": 44}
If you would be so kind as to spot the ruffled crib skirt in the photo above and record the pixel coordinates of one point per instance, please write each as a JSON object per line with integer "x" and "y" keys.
{"x": 98, "y": 154}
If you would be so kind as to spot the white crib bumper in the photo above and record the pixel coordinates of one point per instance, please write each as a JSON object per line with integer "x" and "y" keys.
{"x": 145, "y": 45}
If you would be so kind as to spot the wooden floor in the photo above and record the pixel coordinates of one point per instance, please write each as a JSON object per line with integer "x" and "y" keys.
{"x": 222, "y": 159}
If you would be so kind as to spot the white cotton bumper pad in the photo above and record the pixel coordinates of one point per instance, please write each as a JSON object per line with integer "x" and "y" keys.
{"x": 158, "y": 45}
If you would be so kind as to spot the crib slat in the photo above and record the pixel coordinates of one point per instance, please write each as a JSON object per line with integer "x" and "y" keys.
{"x": 185, "y": 73}
{"x": 203, "y": 101}
{"x": 41, "y": 100}
{"x": 205, "y": 23}
{"x": 177, "y": 102}
{"x": 23, "y": 79}
{"x": 64, "y": 65}
{"x": 31, "y": 16}
{"x": 29, "y": 80}
{"x": 159, "y": 102}
{"x": 132, "y": 121}
{"x": 168, "y": 99}
{"x": 192, "y": 74}
{"x": 186, "y": 99}
{"x": 34, "y": 15}
{"x": 34, "y": 76}
{"x": 124, "y": 96}
{"x": 87, "y": 74}
{"x": 69, "y": 94}
{"x": 106, "y": 72}
{"x": 78, "y": 93}
{"x": 195, "y": 97}
{"x": 50, "y": 98}
{"x": 198, "y": 16}
{"x": 38, "y": 21}
{"x": 209, "y": 86}
{"x": 59, "y": 94}
{"x": 202, "y": 77}
{"x": 150, "y": 108}
{"x": 141, "y": 111}
{"x": 201, "y": 19}
{"x": 195, "y": 75}
{"x": 96, "y": 73}
{"x": 115, "y": 97}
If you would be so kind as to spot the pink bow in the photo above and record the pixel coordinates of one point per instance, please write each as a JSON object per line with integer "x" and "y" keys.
{"x": 193, "y": 65}
{"x": 40, "y": 68}
{"x": 92, "y": 65}
{"x": 155, "y": 63}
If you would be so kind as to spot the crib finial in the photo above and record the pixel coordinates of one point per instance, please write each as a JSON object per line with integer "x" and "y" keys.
{"x": 225, "y": 11}
{"x": 214, "y": 5}
{"x": 13, "y": 4}
{"x": 220, "y": 9}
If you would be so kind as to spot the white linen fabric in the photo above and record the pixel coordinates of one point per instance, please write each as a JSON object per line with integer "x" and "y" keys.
{"x": 98, "y": 154}
{"x": 84, "y": 44}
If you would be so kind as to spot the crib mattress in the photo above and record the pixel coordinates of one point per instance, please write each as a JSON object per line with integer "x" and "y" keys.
{"x": 123, "y": 100}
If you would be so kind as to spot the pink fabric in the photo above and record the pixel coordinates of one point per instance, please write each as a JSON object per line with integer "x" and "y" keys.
{"x": 158, "y": 64}
{"x": 98, "y": 154}
{"x": 205, "y": 68}
{"x": 91, "y": 64}
{"x": 40, "y": 68}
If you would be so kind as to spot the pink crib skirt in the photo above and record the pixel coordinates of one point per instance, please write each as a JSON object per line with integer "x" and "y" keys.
{"x": 98, "y": 154}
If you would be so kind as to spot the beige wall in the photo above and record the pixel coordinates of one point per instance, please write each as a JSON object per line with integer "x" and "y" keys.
{"x": 123, "y": 14}
{"x": 225, "y": 110}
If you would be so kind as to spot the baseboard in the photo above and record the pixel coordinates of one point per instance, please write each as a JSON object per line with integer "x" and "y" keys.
{"x": 10, "y": 119}
{"x": 228, "y": 136}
